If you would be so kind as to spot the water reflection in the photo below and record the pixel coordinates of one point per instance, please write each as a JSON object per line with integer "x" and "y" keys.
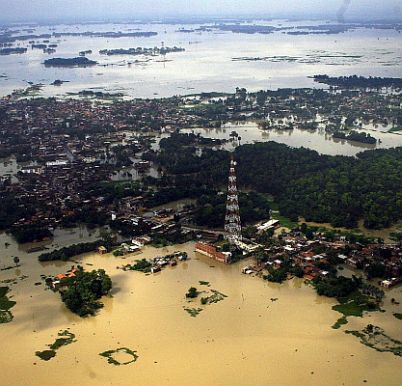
{"x": 318, "y": 140}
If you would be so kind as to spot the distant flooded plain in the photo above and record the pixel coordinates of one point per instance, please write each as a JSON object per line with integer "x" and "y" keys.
{"x": 260, "y": 334}
{"x": 213, "y": 60}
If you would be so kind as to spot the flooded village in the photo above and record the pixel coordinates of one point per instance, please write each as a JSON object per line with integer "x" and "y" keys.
{"x": 146, "y": 318}
{"x": 214, "y": 238}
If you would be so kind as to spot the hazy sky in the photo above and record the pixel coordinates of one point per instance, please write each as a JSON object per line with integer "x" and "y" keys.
{"x": 36, "y": 10}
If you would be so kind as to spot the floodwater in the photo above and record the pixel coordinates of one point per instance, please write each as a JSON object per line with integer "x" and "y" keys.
{"x": 246, "y": 339}
{"x": 317, "y": 140}
{"x": 207, "y": 64}
{"x": 384, "y": 234}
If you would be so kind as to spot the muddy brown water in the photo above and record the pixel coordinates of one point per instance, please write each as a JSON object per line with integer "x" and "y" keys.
{"x": 246, "y": 339}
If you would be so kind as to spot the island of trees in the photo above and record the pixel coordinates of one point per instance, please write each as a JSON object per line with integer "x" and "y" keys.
{"x": 355, "y": 136}
{"x": 359, "y": 81}
{"x": 142, "y": 51}
{"x": 12, "y": 50}
{"x": 66, "y": 253}
{"x": 70, "y": 62}
{"x": 81, "y": 293}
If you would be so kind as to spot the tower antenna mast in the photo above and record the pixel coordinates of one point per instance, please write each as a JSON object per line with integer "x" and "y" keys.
{"x": 232, "y": 218}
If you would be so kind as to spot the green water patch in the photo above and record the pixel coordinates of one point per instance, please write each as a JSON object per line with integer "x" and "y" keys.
{"x": 353, "y": 305}
{"x": 64, "y": 338}
{"x": 375, "y": 338}
{"x": 5, "y": 305}
{"x": 112, "y": 356}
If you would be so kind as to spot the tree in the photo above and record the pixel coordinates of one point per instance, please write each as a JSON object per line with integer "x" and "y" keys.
{"x": 396, "y": 236}
{"x": 250, "y": 232}
{"x": 277, "y": 275}
{"x": 336, "y": 286}
{"x": 297, "y": 271}
{"x": 107, "y": 238}
{"x": 84, "y": 291}
{"x": 375, "y": 269}
{"x": 16, "y": 260}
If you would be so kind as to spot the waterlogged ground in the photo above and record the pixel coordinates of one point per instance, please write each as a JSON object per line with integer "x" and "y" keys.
{"x": 245, "y": 339}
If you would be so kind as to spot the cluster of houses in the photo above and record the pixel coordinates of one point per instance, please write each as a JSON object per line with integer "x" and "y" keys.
{"x": 125, "y": 248}
{"x": 303, "y": 253}
{"x": 63, "y": 148}
{"x": 57, "y": 282}
{"x": 159, "y": 262}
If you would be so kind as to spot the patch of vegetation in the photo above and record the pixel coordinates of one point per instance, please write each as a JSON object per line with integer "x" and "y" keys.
{"x": 358, "y": 81}
{"x": 141, "y": 265}
{"x": 352, "y": 302}
{"x": 285, "y": 221}
{"x": 355, "y": 136}
{"x": 84, "y": 291}
{"x": 214, "y": 298}
{"x": 277, "y": 275}
{"x": 64, "y": 338}
{"x": 374, "y": 337}
{"x": 303, "y": 182}
{"x": 398, "y": 316}
{"x": 297, "y": 271}
{"x": 211, "y": 208}
{"x": 5, "y": 305}
{"x": 355, "y": 304}
{"x": 340, "y": 322}
{"x": 66, "y": 253}
{"x": 46, "y": 355}
{"x": 192, "y": 293}
{"x": 113, "y": 361}
{"x": 336, "y": 287}
{"x": 206, "y": 283}
{"x": 118, "y": 252}
{"x": 193, "y": 311}
{"x": 7, "y": 268}
{"x": 5, "y": 316}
